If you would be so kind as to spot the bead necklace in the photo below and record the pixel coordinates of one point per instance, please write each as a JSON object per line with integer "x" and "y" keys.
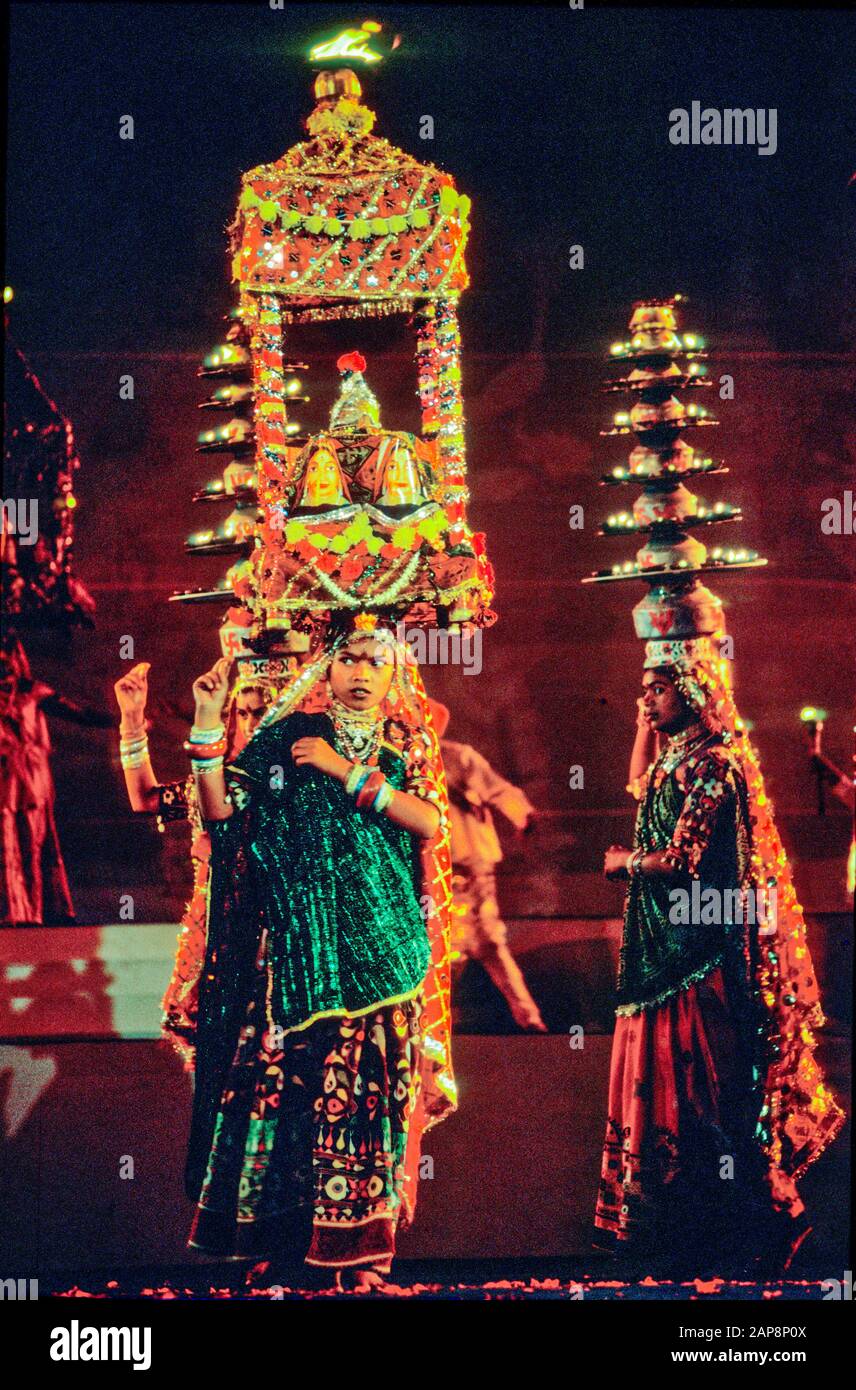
{"x": 679, "y": 745}
{"x": 358, "y": 731}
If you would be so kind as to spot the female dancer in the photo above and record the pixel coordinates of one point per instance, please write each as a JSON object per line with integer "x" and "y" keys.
{"x": 176, "y": 801}
{"x": 716, "y": 1102}
{"x": 323, "y": 1034}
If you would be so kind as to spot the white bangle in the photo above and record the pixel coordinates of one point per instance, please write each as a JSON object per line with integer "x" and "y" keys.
{"x": 210, "y": 765}
{"x": 207, "y": 735}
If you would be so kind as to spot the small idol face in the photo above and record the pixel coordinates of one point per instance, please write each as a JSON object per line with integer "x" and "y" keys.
{"x": 249, "y": 708}
{"x": 361, "y": 673}
{"x": 663, "y": 704}
{"x": 401, "y": 480}
{"x": 323, "y": 480}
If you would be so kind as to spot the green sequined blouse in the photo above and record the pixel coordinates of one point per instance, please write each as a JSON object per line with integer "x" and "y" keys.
{"x": 704, "y": 829}
{"x": 337, "y": 887}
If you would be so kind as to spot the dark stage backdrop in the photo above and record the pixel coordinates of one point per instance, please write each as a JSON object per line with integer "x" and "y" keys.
{"x": 561, "y": 668}
{"x": 555, "y": 122}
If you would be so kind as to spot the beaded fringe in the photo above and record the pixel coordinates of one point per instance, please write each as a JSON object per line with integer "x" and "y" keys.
{"x": 626, "y": 1010}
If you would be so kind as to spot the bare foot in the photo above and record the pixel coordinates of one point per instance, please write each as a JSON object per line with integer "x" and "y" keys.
{"x": 369, "y": 1279}
{"x": 528, "y": 1018}
{"x": 365, "y": 1281}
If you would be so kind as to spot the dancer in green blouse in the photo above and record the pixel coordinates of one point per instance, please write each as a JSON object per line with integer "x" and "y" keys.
{"x": 321, "y": 1051}
{"x": 716, "y": 1102}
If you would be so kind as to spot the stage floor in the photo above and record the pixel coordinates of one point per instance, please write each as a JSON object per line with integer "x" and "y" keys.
{"x": 96, "y": 1111}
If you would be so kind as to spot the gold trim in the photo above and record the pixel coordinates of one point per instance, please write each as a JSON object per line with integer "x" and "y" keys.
{"x": 346, "y": 1013}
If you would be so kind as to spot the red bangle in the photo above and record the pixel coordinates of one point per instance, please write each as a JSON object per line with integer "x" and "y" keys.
{"x": 370, "y": 788}
{"x": 200, "y": 751}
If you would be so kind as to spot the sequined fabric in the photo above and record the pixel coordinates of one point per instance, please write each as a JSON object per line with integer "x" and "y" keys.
{"x": 308, "y": 1153}
{"x": 702, "y": 827}
{"x": 337, "y": 886}
{"x": 682, "y": 1106}
{"x": 337, "y": 890}
{"x": 177, "y": 803}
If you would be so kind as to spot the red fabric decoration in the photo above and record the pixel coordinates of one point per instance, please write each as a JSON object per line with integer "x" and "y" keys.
{"x": 351, "y": 362}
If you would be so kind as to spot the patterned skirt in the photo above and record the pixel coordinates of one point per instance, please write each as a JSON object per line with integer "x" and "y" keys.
{"x": 309, "y": 1146}
{"x": 681, "y": 1169}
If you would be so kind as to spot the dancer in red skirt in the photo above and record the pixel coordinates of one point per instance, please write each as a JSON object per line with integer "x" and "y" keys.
{"x": 716, "y": 1103}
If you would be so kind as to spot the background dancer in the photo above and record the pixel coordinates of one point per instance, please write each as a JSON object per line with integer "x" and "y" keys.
{"x": 34, "y": 888}
{"x": 176, "y": 801}
{"x": 478, "y": 931}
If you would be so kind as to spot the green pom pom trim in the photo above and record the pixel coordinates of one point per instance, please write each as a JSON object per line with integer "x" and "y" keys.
{"x": 314, "y": 224}
{"x": 268, "y": 210}
{"x": 420, "y": 218}
{"x": 333, "y": 227}
{"x": 398, "y": 223}
{"x": 379, "y": 226}
{"x": 360, "y": 229}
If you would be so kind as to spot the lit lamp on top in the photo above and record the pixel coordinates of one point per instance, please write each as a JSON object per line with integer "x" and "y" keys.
{"x": 813, "y": 719}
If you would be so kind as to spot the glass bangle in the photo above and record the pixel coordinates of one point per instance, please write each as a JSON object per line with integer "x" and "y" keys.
{"x": 205, "y": 750}
{"x": 365, "y": 774}
{"x": 354, "y": 780}
{"x": 370, "y": 788}
{"x": 210, "y": 765}
{"x": 383, "y": 798}
{"x": 133, "y": 760}
{"x": 207, "y": 735}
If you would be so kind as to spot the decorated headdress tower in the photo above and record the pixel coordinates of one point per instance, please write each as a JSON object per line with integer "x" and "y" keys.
{"x": 663, "y": 373}
{"x": 360, "y": 518}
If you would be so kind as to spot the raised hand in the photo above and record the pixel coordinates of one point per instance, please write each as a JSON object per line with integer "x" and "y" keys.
{"x": 210, "y": 692}
{"x": 131, "y": 692}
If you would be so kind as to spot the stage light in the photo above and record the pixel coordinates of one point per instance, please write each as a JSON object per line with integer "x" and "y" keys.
{"x": 812, "y": 714}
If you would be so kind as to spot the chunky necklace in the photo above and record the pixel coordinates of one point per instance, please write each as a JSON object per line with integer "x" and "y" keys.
{"x": 679, "y": 745}
{"x": 358, "y": 731}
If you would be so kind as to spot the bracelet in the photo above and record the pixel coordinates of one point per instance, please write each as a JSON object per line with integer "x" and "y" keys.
{"x": 355, "y": 778}
{"x": 634, "y": 863}
{"x": 359, "y": 782}
{"x": 205, "y": 750}
{"x": 131, "y": 740}
{"x": 133, "y": 760}
{"x": 370, "y": 788}
{"x": 134, "y": 752}
{"x": 133, "y": 749}
{"x": 210, "y": 765}
{"x": 207, "y": 735}
{"x": 383, "y": 798}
